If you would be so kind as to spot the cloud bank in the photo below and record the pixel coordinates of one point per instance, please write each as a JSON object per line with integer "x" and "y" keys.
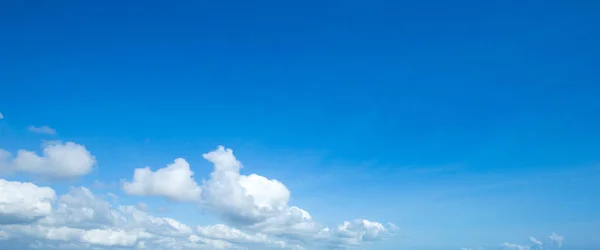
{"x": 254, "y": 210}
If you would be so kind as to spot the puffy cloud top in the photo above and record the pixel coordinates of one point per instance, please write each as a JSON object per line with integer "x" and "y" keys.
{"x": 58, "y": 161}
{"x": 23, "y": 202}
{"x": 174, "y": 182}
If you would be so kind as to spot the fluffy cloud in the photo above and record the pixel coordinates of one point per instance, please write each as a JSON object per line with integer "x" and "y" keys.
{"x": 251, "y": 199}
{"x": 24, "y": 202}
{"x": 175, "y": 182}
{"x": 42, "y": 130}
{"x": 256, "y": 204}
{"x": 261, "y": 204}
{"x": 82, "y": 209}
{"x": 82, "y": 220}
{"x": 354, "y": 233}
{"x": 58, "y": 161}
{"x": 156, "y": 225}
{"x": 255, "y": 208}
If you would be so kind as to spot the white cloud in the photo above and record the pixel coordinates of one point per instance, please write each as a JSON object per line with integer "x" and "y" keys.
{"x": 535, "y": 241}
{"x": 261, "y": 204}
{"x": 59, "y": 161}
{"x": 229, "y": 234}
{"x": 82, "y": 220}
{"x": 354, "y": 233}
{"x": 109, "y": 237}
{"x": 251, "y": 199}
{"x": 1, "y": 116}
{"x": 556, "y": 239}
{"x": 255, "y": 208}
{"x": 23, "y": 202}
{"x": 98, "y": 237}
{"x": 174, "y": 182}
{"x": 515, "y": 246}
{"x": 42, "y": 130}
{"x": 156, "y": 225}
{"x": 80, "y": 208}
{"x": 553, "y": 241}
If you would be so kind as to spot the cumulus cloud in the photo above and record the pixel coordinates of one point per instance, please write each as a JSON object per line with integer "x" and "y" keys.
{"x": 42, "y": 130}
{"x": 251, "y": 199}
{"x": 80, "y": 208}
{"x": 82, "y": 220}
{"x": 261, "y": 204}
{"x": 353, "y": 233}
{"x": 256, "y": 210}
{"x": 175, "y": 182}
{"x": 58, "y": 161}
{"x": 23, "y": 202}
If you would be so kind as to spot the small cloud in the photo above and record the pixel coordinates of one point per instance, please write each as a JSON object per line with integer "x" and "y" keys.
{"x": 507, "y": 245}
{"x": 535, "y": 241}
{"x": 556, "y": 239}
{"x": 42, "y": 130}
{"x": 1, "y": 116}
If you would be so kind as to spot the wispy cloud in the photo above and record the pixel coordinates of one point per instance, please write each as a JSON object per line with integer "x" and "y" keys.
{"x": 42, "y": 130}
{"x": 1, "y": 116}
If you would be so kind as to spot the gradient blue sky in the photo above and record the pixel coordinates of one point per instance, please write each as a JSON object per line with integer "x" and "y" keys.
{"x": 465, "y": 123}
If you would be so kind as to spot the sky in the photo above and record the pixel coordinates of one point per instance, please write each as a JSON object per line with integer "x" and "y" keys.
{"x": 417, "y": 125}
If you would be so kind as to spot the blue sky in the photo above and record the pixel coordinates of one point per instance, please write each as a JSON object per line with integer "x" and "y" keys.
{"x": 466, "y": 124}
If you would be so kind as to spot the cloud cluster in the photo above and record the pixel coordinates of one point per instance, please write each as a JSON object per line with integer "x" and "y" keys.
{"x": 255, "y": 209}
{"x": 81, "y": 220}
{"x": 553, "y": 241}
{"x": 252, "y": 202}
{"x": 58, "y": 161}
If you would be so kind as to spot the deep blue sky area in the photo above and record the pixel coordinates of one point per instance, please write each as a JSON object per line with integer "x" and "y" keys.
{"x": 465, "y": 123}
